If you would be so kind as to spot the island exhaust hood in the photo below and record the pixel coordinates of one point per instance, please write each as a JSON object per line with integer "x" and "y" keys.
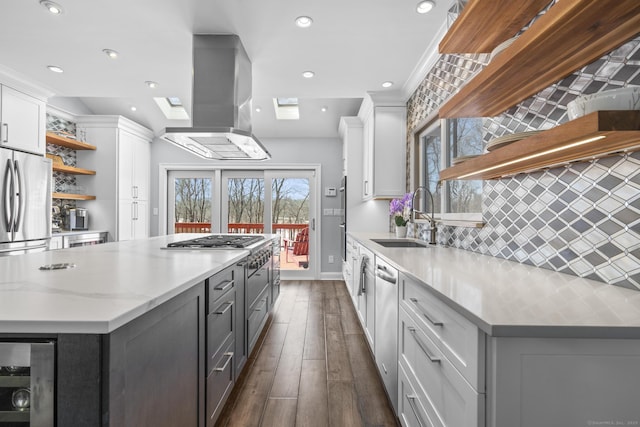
{"x": 221, "y": 103}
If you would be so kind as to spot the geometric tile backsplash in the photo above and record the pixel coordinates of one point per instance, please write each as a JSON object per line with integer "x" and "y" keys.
{"x": 582, "y": 219}
{"x": 61, "y": 181}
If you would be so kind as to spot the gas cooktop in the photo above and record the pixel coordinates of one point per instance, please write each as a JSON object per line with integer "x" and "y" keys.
{"x": 217, "y": 241}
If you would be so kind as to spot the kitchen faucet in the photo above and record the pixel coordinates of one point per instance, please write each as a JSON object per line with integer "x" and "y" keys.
{"x": 432, "y": 222}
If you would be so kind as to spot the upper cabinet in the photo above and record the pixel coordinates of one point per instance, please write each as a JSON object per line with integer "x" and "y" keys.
{"x": 384, "y": 148}
{"x": 22, "y": 119}
{"x": 122, "y": 184}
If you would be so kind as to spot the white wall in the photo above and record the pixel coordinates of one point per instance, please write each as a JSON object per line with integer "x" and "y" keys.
{"x": 294, "y": 151}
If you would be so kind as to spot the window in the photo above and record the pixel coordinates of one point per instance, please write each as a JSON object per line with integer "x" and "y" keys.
{"x": 441, "y": 143}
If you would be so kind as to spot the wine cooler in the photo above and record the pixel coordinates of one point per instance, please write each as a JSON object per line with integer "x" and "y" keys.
{"x": 27, "y": 381}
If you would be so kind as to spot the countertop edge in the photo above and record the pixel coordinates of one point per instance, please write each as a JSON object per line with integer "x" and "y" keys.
{"x": 496, "y": 330}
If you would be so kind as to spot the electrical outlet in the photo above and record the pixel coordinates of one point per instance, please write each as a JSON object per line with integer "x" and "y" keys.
{"x": 330, "y": 259}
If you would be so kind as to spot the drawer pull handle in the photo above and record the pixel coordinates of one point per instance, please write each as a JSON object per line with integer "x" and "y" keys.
{"x": 224, "y": 285}
{"x": 429, "y": 318}
{"x": 229, "y": 304}
{"x": 423, "y": 347}
{"x": 226, "y": 364}
{"x": 411, "y": 399}
{"x": 263, "y": 305}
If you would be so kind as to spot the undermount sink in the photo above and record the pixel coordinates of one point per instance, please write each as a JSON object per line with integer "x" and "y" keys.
{"x": 400, "y": 243}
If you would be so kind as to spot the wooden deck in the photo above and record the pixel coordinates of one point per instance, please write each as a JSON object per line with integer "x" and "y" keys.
{"x": 312, "y": 367}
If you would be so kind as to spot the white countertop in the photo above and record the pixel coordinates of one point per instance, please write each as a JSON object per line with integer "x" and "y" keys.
{"x": 111, "y": 284}
{"x": 506, "y": 298}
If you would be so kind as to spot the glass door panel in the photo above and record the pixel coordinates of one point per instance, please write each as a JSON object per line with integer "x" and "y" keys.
{"x": 244, "y": 209}
{"x": 290, "y": 219}
{"x": 190, "y": 202}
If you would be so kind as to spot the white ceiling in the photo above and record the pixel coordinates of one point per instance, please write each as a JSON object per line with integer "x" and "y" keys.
{"x": 353, "y": 46}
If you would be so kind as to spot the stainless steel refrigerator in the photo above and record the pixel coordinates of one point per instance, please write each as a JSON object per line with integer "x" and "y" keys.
{"x": 25, "y": 206}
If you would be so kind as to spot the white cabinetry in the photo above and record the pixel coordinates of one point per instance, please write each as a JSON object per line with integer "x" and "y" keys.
{"x": 563, "y": 382}
{"x": 441, "y": 356}
{"x": 122, "y": 164}
{"x": 366, "y": 293}
{"x": 133, "y": 186}
{"x": 384, "y": 148}
{"x": 23, "y": 121}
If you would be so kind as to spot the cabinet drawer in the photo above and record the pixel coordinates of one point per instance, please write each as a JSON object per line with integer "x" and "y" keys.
{"x": 220, "y": 328}
{"x": 449, "y": 399}
{"x": 218, "y": 285}
{"x": 459, "y": 339}
{"x": 411, "y": 411}
{"x": 219, "y": 384}
{"x": 256, "y": 285}
{"x": 257, "y": 318}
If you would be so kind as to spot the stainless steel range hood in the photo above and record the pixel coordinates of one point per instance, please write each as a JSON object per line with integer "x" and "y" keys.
{"x": 221, "y": 103}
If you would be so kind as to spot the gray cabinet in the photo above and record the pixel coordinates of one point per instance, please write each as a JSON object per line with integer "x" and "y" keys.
{"x": 221, "y": 336}
{"x": 154, "y": 366}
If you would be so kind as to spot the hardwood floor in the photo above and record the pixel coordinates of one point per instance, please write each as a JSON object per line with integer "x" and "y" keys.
{"x": 312, "y": 368}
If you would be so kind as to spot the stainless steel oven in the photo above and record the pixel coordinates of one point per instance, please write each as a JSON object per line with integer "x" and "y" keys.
{"x": 27, "y": 384}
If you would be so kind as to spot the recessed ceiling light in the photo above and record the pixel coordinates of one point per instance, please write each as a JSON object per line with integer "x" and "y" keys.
{"x": 151, "y": 84}
{"x": 55, "y": 68}
{"x": 387, "y": 84}
{"x": 308, "y": 74}
{"x": 304, "y": 21}
{"x": 133, "y": 108}
{"x": 110, "y": 53}
{"x": 52, "y": 7}
{"x": 258, "y": 109}
{"x": 425, "y": 6}
{"x": 324, "y": 109}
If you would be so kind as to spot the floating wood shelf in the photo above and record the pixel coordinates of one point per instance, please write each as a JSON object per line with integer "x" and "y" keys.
{"x": 570, "y": 35}
{"x": 70, "y": 196}
{"x": 483, "y": 25}
{"x": 609, "y": 131}
{"x": 55, "y": 139}
{"x": 72, "y": 170}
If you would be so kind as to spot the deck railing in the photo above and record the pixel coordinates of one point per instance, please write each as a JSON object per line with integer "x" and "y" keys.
{"x": 286, "y": 231}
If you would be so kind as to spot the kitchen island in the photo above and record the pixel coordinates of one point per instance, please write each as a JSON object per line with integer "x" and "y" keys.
{"x": 487, "y": 342}
{"x": 134, "y": 326}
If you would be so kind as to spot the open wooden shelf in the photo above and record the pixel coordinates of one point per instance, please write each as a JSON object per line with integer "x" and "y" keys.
{"x": 570, "y": 35}
{"x": 70, "y": 196}
{"x": 620, "y": 131}
{"x": 483, "y": 25}
{"x": 55, "y": 139}
{"x": 72, "y": 170}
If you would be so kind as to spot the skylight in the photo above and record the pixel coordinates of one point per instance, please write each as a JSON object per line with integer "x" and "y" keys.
{"x": 172, "y": 108}
{"x": 286, "y": 108}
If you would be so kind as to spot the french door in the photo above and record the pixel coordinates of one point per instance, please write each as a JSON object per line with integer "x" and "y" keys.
{"x": 274, "y": 201}
{"x": 281, "y": 202}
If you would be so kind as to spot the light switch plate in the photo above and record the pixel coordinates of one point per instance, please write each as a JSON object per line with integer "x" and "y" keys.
{"x": 330, "y": 191}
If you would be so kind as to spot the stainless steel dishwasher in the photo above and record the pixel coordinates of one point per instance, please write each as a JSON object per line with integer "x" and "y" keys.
{"x": 386, "y": 328}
